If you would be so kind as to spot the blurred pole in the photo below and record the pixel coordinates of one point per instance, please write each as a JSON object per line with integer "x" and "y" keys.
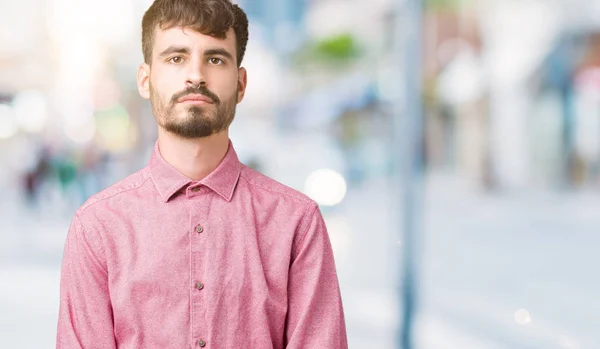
{"x": 408, "y": 135}
{"x": 568, "y": 135}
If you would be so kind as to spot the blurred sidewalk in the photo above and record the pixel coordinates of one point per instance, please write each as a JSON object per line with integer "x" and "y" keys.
{"x": 516, "y": 270}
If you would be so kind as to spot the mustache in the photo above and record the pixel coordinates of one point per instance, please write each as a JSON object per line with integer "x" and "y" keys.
{"x": 195, "y": 91}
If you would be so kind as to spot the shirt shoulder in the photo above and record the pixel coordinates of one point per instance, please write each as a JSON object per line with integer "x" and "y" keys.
{"x": 122, "y": 187}
{"x": 261, "y": 182}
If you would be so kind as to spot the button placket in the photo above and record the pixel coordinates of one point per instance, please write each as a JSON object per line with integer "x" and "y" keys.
{"x": 198, "y": 213}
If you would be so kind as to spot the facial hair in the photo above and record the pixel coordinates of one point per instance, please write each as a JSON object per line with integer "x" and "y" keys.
{"x": 201, "y": 121}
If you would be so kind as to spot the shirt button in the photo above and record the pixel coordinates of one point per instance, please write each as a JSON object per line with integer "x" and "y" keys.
{"x": 201, "y": 343}
{"x": 199, "y": 228}
{"x": 196, "y": 189}
{"x": 199, "y": 285}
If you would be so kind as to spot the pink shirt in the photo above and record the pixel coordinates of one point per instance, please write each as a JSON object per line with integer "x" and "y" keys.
{"x": 235, "y": 260}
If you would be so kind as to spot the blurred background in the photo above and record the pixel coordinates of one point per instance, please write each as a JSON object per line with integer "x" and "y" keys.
{"x": 505, "y": 172}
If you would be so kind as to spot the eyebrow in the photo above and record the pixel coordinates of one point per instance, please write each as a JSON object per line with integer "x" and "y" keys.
{"x": 174, "y": 49}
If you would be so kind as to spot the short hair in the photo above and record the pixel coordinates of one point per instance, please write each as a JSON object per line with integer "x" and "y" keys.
{"x": 209, "y": 17}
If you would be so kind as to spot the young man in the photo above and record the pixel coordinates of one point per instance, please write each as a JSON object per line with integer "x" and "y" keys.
{"x": 197, "y": 249}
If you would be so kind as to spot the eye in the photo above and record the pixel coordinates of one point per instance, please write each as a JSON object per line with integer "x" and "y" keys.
{"x": 216, "y": 61}
{"x": 176, "y": 60}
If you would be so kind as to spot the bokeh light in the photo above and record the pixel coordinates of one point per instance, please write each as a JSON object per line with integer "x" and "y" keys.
{"x": 522, "y": 317}
{"x": 31, "y": 111}
{"x": 8, "y": 124}
{"x": 327, "y": 187}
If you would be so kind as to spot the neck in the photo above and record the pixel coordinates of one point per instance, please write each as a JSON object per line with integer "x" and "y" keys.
{"x": 195, "y": 158}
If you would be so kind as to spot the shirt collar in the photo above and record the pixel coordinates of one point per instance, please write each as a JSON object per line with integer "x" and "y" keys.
{"x": 222, "y": 180}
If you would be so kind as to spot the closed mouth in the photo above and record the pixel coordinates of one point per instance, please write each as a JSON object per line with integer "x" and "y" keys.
{"x": 196, "y": 99}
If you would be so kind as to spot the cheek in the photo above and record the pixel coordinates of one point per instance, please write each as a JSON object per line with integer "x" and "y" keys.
{"x": 165, "y": 84}
{"x": 221, "y": 79}
{"x": 227, "y": 87}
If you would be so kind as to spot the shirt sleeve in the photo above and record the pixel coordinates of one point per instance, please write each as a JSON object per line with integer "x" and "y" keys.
{"x": 85, "y": 317}
{"x": 315, "y": 317}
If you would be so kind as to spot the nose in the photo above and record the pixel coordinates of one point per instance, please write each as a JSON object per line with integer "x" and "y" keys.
{"x": 195, "y": 76}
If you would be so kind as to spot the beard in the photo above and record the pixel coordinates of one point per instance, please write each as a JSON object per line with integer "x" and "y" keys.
{"x": 200, "y": 121}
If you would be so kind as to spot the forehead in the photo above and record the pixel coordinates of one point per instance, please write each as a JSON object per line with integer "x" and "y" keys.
{"x": 186, "y": 36}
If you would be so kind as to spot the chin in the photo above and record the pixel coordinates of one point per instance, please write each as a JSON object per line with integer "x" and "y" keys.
{"x": 192, "y": 113}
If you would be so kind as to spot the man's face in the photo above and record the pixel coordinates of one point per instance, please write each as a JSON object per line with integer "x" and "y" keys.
{"x": 193, "y": 82}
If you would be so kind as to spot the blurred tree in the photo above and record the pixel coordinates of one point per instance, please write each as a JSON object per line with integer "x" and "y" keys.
{"x": 331, "y": 52}
{"x": 339, "y": 47}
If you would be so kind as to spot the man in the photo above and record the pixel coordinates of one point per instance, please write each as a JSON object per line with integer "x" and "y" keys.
{"x": 197, "y": 249}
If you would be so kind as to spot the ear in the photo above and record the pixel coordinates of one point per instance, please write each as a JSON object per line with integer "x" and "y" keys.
{"x": 143, "y": 80}
{"x": 242, "y": 82}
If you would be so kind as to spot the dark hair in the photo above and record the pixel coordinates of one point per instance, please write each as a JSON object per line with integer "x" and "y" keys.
{"x": 209, "y": 17}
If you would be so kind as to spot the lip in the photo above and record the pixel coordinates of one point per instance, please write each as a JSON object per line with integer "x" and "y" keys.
{"x": 195, "y": 99}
